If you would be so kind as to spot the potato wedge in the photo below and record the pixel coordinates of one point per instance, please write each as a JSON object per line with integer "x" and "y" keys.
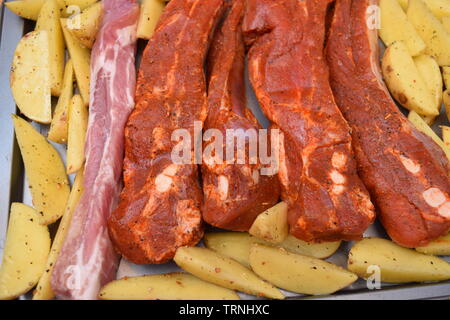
{"x": 431, "y": 73}
{"x": 81, "y": 58}
{"x": 85, "y": 25}
{"x": 60, "y": 123}
{"x": 220, "y": 270}
{"x": 446, "y": 76}
{"x": 27, "y": 9}
{"x": 298, "y": 273}
{"x": 43, "y": 289}
{"x": 446, "y": 23}
{"x": 26, "y": 250}
{"x": 446, "y": 135}
{"x": 429, "y": 120}
{"x": 439, "y": 247}
{"x": 151, "y": 10}
{"x": 446, "y": 96}
{"x": 395, "y": 26}
{"x": 272, "y": 225}
{"x": 431, "y": 31}
{"x": 30, "y": 77}
{"x": 48, "y": 20}
{"x": 78, "y": 121}
{"x": 405, "y": 82}
{"x": 171, "y": 286}
{"x": 236, "y": 245}
{"x": 420, "y": 125}
{"x": 440, "y": 8}
{"x": 45, "y": 172}
{"x": 397, "y": 264}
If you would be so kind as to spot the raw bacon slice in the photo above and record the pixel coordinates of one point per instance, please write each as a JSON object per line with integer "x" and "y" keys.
{"x": 159, "y": 207}
{"x": 404, "y": 170}
{"x": 235, "y": 194}
{"x": 87, "y": 259}
{"x": 327, "y": 200}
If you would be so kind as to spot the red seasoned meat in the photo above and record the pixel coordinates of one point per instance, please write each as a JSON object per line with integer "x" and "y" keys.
{"x": 235, "y": 194}
{"x": 159, "y": 207}
{"x": 404, "y": 170}
{"x": 326, "y": 199}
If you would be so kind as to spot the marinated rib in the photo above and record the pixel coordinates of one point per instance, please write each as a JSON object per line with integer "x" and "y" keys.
{"x": 326, "y": 199}
{"x": 234, "y": 194}
{"x": 87, "y": 259}
{"x": 404, "y": 170}
{"x": 159, "y": 207}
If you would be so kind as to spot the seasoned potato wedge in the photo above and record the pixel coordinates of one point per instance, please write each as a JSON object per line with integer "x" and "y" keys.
{"x": 395, "y": 26}
{"x": 272, "y": 225}
{"x": 85, "y": 25}
{"x": 431, "y": 73}
{"x": 420, "y": 125}
{"x": 151, "y": 10}
{"x": 446, "y": 76}
{"x": 81, "y": 58}
{"x": 28, "y": 9}
{"x": 171, "y": 286}
{"x": 446, "y": 135}
{"x": 45, "y": 172}
{"x": 446, "y": 23}
{"x": 439, "y": 247}
{"x": 298, "y": 273}
{"x": 446, "y": 97}
{"x": 405, "y": 82}
{"x": 220, "y": 270}
{"x": 397, "y": 264}
{"x": 440, "y": 8}
{"x": 78, "y": 121}
{"x": 26, "y": 250}
{"x": 30, "y": 77}
{"x": 43, "y": 289}
{"x": 236, "y": 245}
{"x": 431, "y": 31}
{"x": 60, "y": 123}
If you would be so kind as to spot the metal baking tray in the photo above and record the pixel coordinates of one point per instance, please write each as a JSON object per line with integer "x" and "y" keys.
{"x": 13, "y": 186}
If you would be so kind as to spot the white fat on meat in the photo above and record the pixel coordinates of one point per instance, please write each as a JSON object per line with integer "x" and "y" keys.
{"x": 435, "y": 198}
{"x": 164, "y": 180}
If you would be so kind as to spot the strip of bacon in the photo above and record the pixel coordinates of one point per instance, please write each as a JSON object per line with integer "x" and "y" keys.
{"x": 87, "y": 259}
{"x": 327, "y": 200}
{"x": 404, "y": 170}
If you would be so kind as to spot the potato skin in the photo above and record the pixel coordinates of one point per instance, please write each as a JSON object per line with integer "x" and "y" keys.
{"x": 26, "y": 249}
{"x": 397, "y": 264}
{"x": 171, "y": 286}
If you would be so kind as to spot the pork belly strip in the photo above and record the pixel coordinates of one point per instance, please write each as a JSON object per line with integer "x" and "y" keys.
{"x": 234, "y": 194}
{"x": 159, "y": 207}
{"x": 404, "y": 170}
{"x": 87, "y": 259}
{"x": 327, "y": 200}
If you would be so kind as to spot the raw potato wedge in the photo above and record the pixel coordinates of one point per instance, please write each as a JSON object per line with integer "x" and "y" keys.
{"x": 429, "y": 120}
{"x": 440, "y": 8}
{"x": 45, "y": 172}
{"x": 43, "y": 289}
{"x": 272, "y": 225}
{"x": 78, "y": 121}
{"x": 404, "y": 81}
{"x": 85, "y": 25}
{"x": 28, "y": 9}
{"x": 298, "y": 273}
{"x": 397, "y": 264}
{"x": 431, "y": 31}
{"x": 60, "y": 123}
{"x": 236, "y": 245}
{"x": 222, "y": 271}
{"x": 30, "y": 77}
{"x": 431, "y": 73}
{"x": 446, "y": 135}
{"x": 420, "y": 125}
{"x": 396, "y": 27}
{"x": 171, "y": 286}
{"x": 446, "y": 97}
{"x": 48, "y": 20}
{"x": 151, "y": 10}
{"x": 439, "y": 247}
{"x": 446, "y": 76}
{"x": 446, "y": 23}
{"x": 81, "y": 58}
{"x": 26, "y": 249}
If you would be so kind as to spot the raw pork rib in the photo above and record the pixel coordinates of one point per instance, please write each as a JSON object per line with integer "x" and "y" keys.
{"x": 404, "y": 170}
{"x": 159, "y": 207}
{"x": 87, "y": 259}
{"x": 235, "y": 194}
{"x": 327, "y": 200}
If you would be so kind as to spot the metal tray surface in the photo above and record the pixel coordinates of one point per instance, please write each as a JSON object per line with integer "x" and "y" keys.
{"x": 13, "y": 186}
